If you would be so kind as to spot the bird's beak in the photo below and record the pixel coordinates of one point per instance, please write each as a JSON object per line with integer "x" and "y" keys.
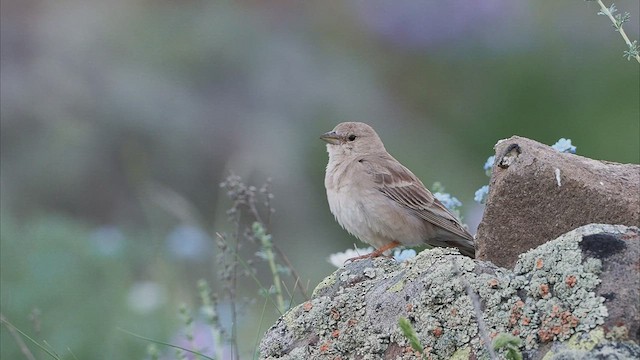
{"x": 331, "y": 137}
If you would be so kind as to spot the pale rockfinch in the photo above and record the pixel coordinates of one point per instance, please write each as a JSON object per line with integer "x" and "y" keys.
{"x": 381, "y": 202}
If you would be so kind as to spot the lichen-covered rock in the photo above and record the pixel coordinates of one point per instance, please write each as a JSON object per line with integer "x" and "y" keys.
{"x": 592, "y": 345}
{"x": 537, "y": 193}
{"x": 620, "y": 277}
{"x": 551, "y": 297}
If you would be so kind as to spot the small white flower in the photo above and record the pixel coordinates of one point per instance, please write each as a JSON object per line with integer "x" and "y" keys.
{"x": 489, "y": 163}
{"x": 564, "y": 145}
{"x": 338, "y": 259}
{"x": 403, "y": 254}
{"x": 481, "y": 194}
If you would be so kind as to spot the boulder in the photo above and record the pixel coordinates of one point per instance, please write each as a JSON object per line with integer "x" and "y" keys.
{"x": 570, "y": 298}
{"x": 537, "y": 193}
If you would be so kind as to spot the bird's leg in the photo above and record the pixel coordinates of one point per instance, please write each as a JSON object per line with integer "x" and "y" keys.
{"x": 376, "y": 253}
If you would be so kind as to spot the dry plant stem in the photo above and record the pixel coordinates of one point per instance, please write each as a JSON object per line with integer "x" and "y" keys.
{"x": 21, "y": 344}
{"x": 53, "y": 353}
{"x": 256, "y": 215}
{"x": 255, "y": 346}
{"x": 293, "y": 271}
{"x": 166, "y": 344}
{"x": 606, "y": 11}
{"x": 232, "y": 295}
{"x": 247, "y": 267}
{"x": 290, "y": 293}
{"x": 72, "y": 354}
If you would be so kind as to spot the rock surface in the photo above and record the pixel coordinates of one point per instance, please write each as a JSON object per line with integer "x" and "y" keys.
{"x": 537, "y": 193}
{"x": 570, "y": 298}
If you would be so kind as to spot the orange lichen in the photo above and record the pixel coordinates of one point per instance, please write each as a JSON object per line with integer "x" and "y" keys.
{"x": 545, "y": 335}
{"x": 544, "y": 290}
{"x": 335, "y": 314}
{"x": 569, "y": 319}
{"x": 325, "y": 346}
{"x": 557, "y": 324}
{"x": 516, "y": 312}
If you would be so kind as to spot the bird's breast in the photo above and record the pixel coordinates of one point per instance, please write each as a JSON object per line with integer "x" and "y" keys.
{"x": 347, "y": 205}
{"x": 346, "y": 196}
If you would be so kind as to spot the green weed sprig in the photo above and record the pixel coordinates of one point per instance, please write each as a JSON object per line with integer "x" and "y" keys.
{"x": 267, "y": 251}
{"x": 410, "y": 334}
{"x": 510, "y": 343}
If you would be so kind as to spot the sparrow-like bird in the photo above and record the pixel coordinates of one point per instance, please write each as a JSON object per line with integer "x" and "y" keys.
{"x": 381, "y": 202}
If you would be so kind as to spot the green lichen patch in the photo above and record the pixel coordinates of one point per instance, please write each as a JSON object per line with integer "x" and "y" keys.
{"x": 592, "y": 345}
{"x": 326, "y": 283}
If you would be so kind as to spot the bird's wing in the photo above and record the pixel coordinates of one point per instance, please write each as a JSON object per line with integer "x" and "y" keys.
{"x": 401, "y": 185}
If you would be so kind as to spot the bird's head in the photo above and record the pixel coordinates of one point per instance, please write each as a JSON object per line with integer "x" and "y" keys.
{"x": 352, "y": 138}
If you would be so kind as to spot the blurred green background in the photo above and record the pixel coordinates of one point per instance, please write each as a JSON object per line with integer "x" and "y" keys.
{"x": 120, "y": 118}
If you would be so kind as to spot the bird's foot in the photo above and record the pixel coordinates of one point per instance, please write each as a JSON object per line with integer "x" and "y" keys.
{"x": 377, "y": 253}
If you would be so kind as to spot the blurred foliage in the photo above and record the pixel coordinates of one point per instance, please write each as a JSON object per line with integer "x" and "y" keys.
{"x": 119, "y": 119}
{"x": 48, "y": 265}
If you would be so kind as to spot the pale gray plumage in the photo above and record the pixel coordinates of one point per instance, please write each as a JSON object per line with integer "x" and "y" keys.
{"x": 380, "y": 201}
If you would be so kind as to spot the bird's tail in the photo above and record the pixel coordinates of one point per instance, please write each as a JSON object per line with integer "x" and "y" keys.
{"x": 468, "y": 249}
{"x": 465, "y": 245}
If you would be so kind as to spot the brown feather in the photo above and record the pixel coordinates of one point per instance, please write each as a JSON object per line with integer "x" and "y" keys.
{"x": 401, "y": 185}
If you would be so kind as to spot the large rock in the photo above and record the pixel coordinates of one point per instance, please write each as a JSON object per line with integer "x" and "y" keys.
{"x": 537, "y": 193}
{"x": 571, "y": 298}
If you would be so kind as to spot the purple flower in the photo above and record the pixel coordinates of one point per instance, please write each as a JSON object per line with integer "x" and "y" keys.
{"x": 203, "y": 341}
{"x": 424, "y": 23}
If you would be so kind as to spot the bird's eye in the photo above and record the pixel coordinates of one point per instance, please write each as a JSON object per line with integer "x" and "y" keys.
{"x": 351, "y": 137}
